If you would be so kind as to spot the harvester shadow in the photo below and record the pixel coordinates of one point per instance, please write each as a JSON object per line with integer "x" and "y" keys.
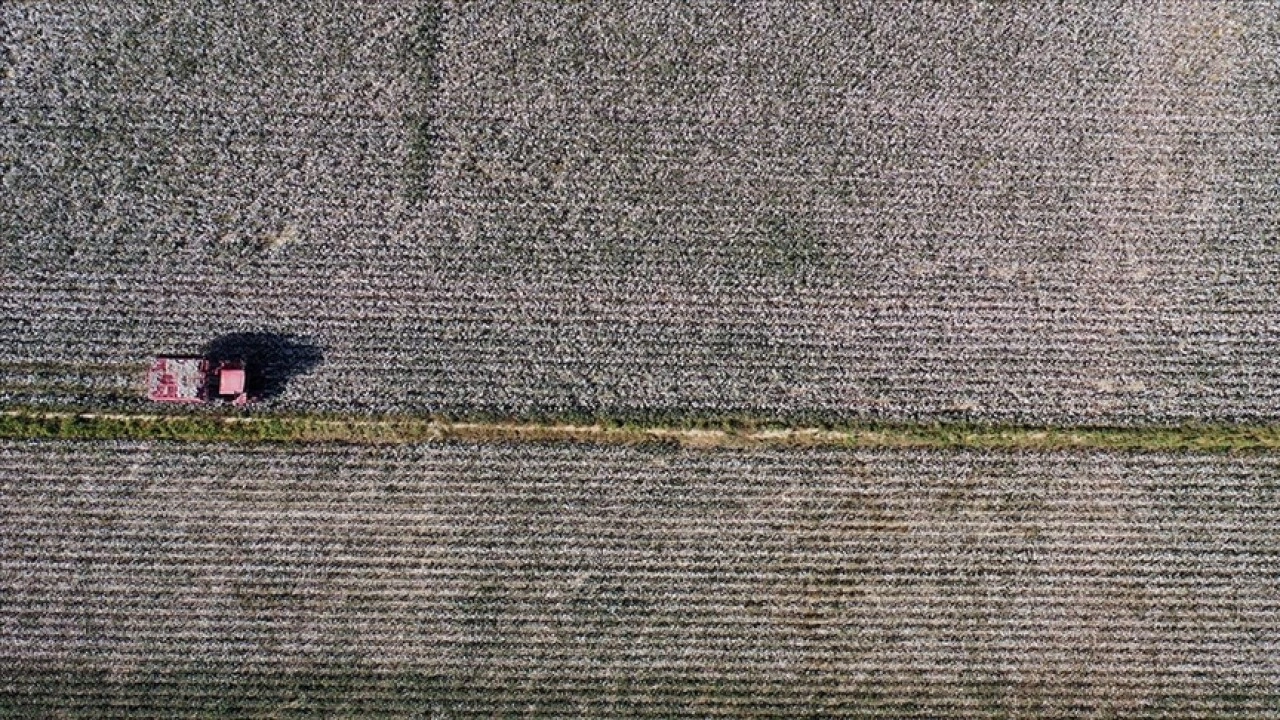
{"x": 270, "y": 360}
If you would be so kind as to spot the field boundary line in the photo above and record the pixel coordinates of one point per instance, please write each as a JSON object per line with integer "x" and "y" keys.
{"x": 195, "y": 427}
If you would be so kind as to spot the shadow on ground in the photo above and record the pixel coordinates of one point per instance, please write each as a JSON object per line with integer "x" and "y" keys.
{"x": 422, "y": 54}
{"x": 270, "y": 360}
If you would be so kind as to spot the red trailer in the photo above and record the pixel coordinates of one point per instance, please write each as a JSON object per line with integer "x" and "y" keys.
{"x": 195, "y": 380}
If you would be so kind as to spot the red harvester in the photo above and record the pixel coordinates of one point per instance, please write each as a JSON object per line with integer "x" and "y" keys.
{"x": 195, "y": 380}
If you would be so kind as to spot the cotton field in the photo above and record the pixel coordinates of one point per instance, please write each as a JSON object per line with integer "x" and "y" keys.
{"x": 1030, "y": 213}
{"x": 895, "y": 211}
{"x": 461, "y": 580}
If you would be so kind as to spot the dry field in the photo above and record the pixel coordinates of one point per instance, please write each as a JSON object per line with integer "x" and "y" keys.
{"x": 1059, "y": 212}
{"x": 458, "y": 580}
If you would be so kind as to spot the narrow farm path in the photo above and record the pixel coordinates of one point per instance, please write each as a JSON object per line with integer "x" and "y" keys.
{"x": 34, "y": 424}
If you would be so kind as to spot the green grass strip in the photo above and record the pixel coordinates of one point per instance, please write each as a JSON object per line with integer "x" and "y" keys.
{"x": 31, "y": 424}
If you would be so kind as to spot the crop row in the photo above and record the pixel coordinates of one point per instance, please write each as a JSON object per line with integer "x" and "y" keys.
{"x": 665, "y": 581}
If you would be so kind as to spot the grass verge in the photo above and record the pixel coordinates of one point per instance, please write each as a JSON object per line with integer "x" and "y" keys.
{"x": 33, "y": 424}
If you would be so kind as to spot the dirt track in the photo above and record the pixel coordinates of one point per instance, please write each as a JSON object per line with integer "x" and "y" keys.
{"x": 356, "y": 430}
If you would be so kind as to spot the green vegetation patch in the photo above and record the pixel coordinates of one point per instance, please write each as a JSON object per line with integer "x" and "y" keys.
{"x": 31, "y": 424}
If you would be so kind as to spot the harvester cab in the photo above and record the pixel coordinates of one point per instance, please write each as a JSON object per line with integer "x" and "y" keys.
{"x": 196, "y": 381}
